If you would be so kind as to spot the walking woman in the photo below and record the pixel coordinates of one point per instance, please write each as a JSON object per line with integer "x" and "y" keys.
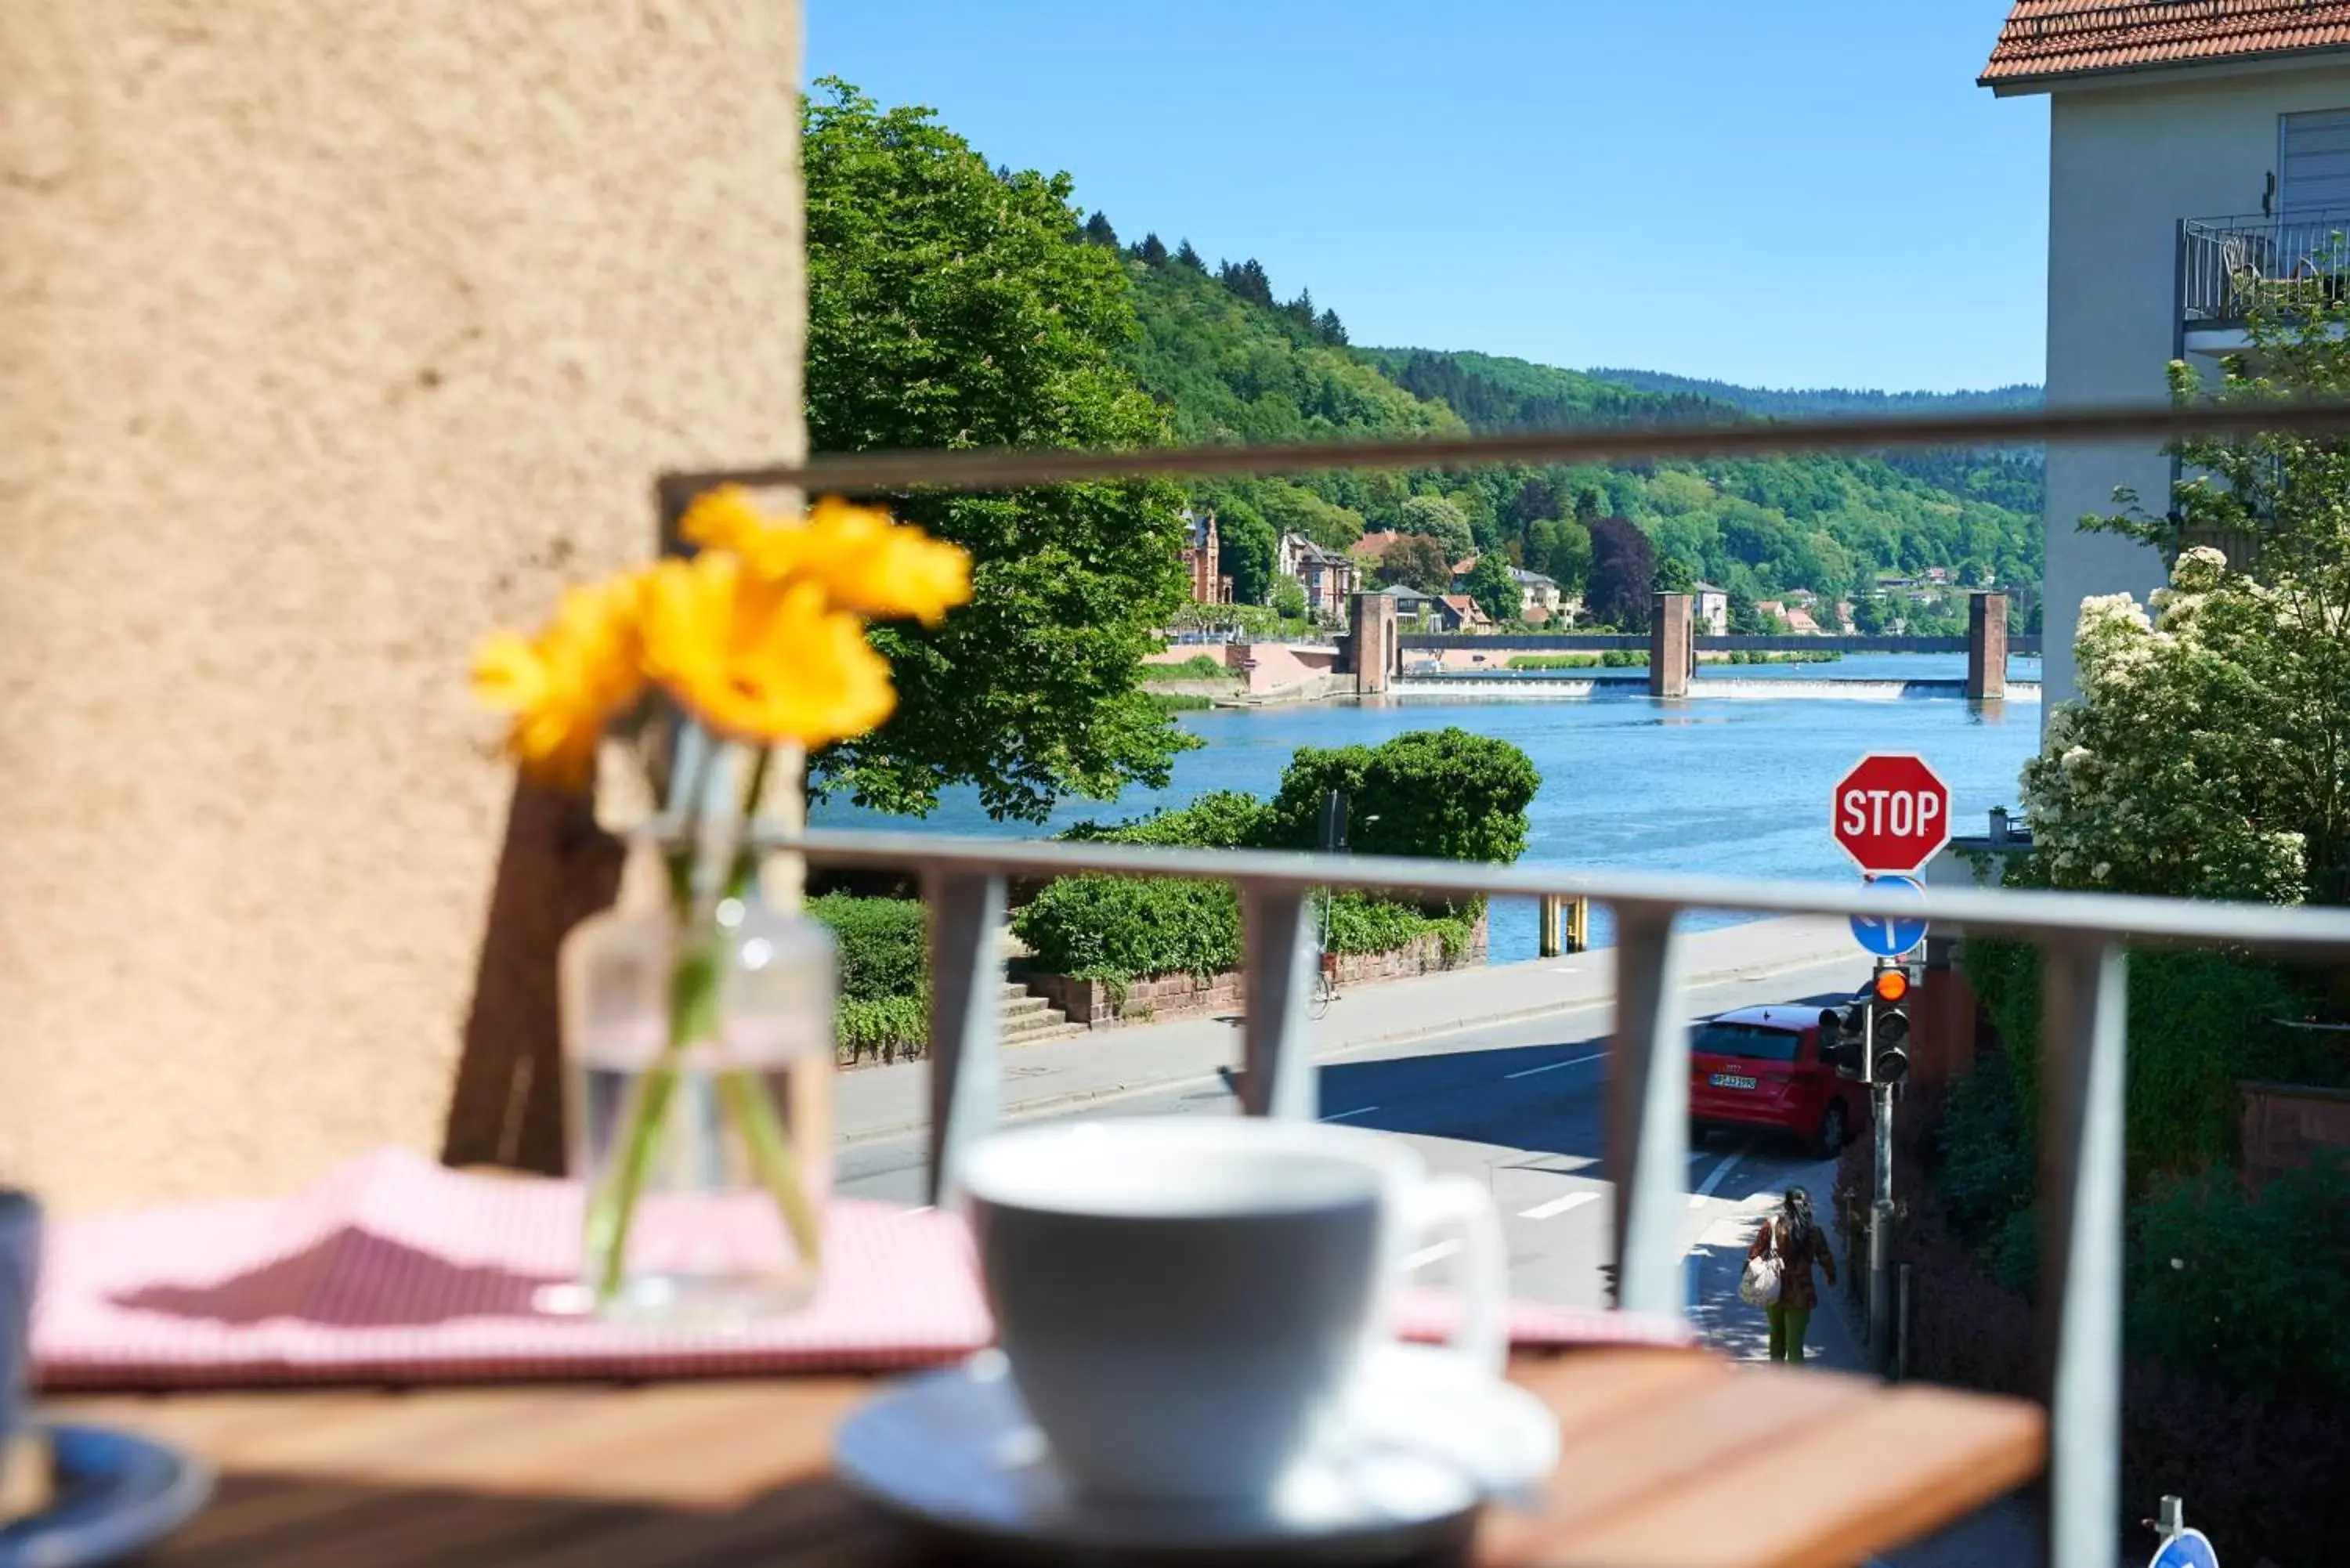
{"x": 1794, "y": 1239}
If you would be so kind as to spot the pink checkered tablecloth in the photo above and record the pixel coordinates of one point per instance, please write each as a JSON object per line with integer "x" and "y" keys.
{"x": 395, "y": 1270}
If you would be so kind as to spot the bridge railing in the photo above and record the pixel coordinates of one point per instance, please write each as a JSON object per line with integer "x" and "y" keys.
{"x": 2082, "y": 940}
{"x": 2023, "y": 646}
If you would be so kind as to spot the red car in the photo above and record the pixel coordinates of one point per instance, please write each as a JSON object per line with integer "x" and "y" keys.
{"x": 1760, "y": 1067}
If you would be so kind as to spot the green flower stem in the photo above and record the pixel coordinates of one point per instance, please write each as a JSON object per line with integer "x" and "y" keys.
{"x": 692, "y": 1016}
{"x": 744, "y": 1092}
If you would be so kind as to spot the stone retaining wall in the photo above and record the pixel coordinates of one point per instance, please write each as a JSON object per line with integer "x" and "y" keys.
{"x": 1099, "y": 1004}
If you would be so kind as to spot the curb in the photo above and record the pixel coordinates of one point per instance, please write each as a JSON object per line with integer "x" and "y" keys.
{"x": 1045, "y": 1104}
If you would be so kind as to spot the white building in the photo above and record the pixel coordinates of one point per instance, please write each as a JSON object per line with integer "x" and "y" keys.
{"x": 1711, "y": 610}
{"x": 2189, "y": 145}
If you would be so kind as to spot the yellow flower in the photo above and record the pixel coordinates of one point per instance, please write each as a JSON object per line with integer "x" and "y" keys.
{"x": 760, "y": 659}
{"x": 562, "y": 686}
{"x": 865, "y": 563}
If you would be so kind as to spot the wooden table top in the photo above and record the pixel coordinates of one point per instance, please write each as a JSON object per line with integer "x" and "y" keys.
{"x": 1671, "y": 1460}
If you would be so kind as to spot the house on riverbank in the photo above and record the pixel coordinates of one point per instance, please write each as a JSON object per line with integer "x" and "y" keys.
{"x": 2191, "y": 148}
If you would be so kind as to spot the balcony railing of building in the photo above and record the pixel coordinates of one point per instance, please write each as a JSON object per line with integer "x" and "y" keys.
{"x": 2083, "y": 938}
{"x": 2225, "y": 265}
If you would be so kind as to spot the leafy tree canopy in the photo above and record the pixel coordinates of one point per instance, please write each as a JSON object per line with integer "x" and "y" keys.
{"x": 1416, "y": 562}
{"x": 1434, "y": 517}
{"x": 948, "y": 308}
{"x": 1623, "y": 575}
{"x": 1494, "y": 587}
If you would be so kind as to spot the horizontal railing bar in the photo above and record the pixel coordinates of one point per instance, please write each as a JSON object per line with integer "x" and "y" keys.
{"x": 1018, "y": 469}
{"x": 2006, "y": 912}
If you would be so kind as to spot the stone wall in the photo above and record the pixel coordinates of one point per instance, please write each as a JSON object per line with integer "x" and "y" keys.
{"x": 2286, "y": 1124}
{"x": 1099, "y": 1004}
{"x": 332, "y": 335}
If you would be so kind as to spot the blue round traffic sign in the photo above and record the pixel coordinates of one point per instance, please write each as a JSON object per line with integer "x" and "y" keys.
{"x": 2187, "y": 1549}
{"x": 1891, "y": 934}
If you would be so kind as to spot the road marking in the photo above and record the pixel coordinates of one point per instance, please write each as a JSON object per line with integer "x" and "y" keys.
{"x": 1705, "y": 1188}
{"x": 1558, "y": 1206}
{"x": 1342, "y": 1115}
{"x": 1554, "y": 1067}
{"x": 1426, "y": 1255}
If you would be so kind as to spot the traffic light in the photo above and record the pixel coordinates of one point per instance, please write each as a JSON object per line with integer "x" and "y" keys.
{"x": 1888, "y": 1000}
{"x": 1840, "y": 1040}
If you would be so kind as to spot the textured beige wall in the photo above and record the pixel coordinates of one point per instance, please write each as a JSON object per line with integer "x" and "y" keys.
{"x": 329, "y": 335}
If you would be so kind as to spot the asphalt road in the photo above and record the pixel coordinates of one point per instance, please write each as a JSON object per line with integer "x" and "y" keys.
{"x": 1520, "y": 1106}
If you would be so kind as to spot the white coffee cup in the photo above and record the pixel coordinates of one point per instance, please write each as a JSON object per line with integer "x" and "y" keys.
{"x": 1185, "y": 1301}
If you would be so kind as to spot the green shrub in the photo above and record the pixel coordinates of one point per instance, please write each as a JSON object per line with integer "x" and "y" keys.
{"x": 888, "y": 1027}
{"x": 1442, "y": 794}
{"x": 1129, "y": 928}
{"x": 1198, "y": 667}
{"x": 884, "y": 944}
{"x": 2199, "y": 1023}
{"x": 1364, "y": 923}
{"x": 1179, "y": 701}
{"x": 1554, "y": 661}
{"x": 1221, "y": 819}
{"x": 2253, "y": 1287}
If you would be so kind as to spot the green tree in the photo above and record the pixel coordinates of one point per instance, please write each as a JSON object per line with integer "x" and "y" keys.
{"x": 947, "y": 307}
{"x": 1674, "y": 576}
{"x": 1100, "y": 233}
{"x": 1871, "y": 615}
{"x": 1494, "y": 586}
{"x": 1560, "y": 549}
{"x": 1440, "y": 519}
{"x": 1247, "y": 545}
{"x": 1441, "y": 793}
{"x": 1292, "y": 509}
{"x": 1289, "y": 598}
{"x": 1187, "y": 256}
{"x": 1590, "y": 505}
{"x": 1747, "y": 618}
{"x": 1416, "y": 562}
{"x": 1151, "y": 251}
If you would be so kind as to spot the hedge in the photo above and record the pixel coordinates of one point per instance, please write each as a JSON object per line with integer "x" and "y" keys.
{"x": 886, "y": 1030}
{"x": 2237, "y": 1328}
{"x": 884, "y": 944}
{"x": 1120, "y": 928}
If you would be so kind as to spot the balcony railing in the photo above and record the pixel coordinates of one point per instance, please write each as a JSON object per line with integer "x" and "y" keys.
{"x": 2225, "y": 265}
{"x": 2080, "y": 937}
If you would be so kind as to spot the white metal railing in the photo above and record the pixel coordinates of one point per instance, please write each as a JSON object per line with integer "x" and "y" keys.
{"x": 2082, "y": 938}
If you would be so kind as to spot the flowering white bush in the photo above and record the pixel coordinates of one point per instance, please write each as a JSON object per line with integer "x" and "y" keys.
{"x": 2188, "y": 767}
{"x": 2209, "y": 754}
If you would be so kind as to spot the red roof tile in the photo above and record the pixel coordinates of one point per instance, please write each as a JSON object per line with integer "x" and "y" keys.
{"x": 2049, "y": 40}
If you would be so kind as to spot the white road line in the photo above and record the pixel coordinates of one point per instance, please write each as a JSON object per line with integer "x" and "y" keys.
{"x": 1426, "y": 1255}
{"x": 1554, "y": 1067}
{"x": 1705, "y": 1188}
{"x": 1342, "y": 1115}
{"x": 1558, "y": 1206}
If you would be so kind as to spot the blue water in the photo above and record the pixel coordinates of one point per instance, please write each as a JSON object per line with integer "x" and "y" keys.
{"x": 1722, "y": 784}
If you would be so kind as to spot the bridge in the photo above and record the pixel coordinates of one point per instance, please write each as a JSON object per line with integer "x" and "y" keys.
{"x": 1373, "y": 649}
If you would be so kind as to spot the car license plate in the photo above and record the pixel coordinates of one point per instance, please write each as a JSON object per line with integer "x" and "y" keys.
{"x": 1731, "y": 1081}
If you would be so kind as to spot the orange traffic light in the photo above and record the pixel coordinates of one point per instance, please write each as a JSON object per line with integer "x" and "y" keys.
{"x": 1892, "y": 985}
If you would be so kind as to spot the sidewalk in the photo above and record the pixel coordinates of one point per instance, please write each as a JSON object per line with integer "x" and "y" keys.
{"x": 2005, "y": 1534}
{"x": 893, "y": 1101}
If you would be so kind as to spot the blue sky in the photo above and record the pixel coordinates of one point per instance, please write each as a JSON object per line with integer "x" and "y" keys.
{"x": 1777, "y": 192}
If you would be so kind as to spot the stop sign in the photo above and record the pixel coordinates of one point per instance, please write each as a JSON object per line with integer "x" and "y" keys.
{"x": 1890, "y": 813}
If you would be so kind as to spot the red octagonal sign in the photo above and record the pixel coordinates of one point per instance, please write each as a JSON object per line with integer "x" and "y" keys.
{"x": 1891, "y": 814}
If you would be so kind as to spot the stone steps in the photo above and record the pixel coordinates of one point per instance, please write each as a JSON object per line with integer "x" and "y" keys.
{"x": 1023, "y": 1019}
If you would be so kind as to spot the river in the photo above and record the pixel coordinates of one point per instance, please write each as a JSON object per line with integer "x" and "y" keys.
{"x": 1733, "y": 784}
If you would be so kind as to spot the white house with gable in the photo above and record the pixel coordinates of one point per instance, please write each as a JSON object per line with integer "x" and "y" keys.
{"x": 2191, "y": 147}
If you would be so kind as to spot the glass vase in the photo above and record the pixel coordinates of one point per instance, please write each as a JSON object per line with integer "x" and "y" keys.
{"x": 699, "y": 1060}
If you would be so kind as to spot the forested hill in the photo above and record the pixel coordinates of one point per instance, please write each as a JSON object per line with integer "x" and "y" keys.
{"x": 1494, "y": 392}
{"x": 1229, "y": 360}
{"x": 1822, "y": 402}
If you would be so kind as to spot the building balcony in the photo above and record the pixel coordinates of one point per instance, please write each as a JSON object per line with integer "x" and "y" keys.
{"x": 2226, "y": 266}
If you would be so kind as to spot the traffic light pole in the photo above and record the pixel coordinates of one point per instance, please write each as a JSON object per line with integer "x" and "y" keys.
{"x": 1880, "y": 1214}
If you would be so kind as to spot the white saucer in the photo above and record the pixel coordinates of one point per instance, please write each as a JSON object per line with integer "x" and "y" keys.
{"x": 1421, "y": 1448}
